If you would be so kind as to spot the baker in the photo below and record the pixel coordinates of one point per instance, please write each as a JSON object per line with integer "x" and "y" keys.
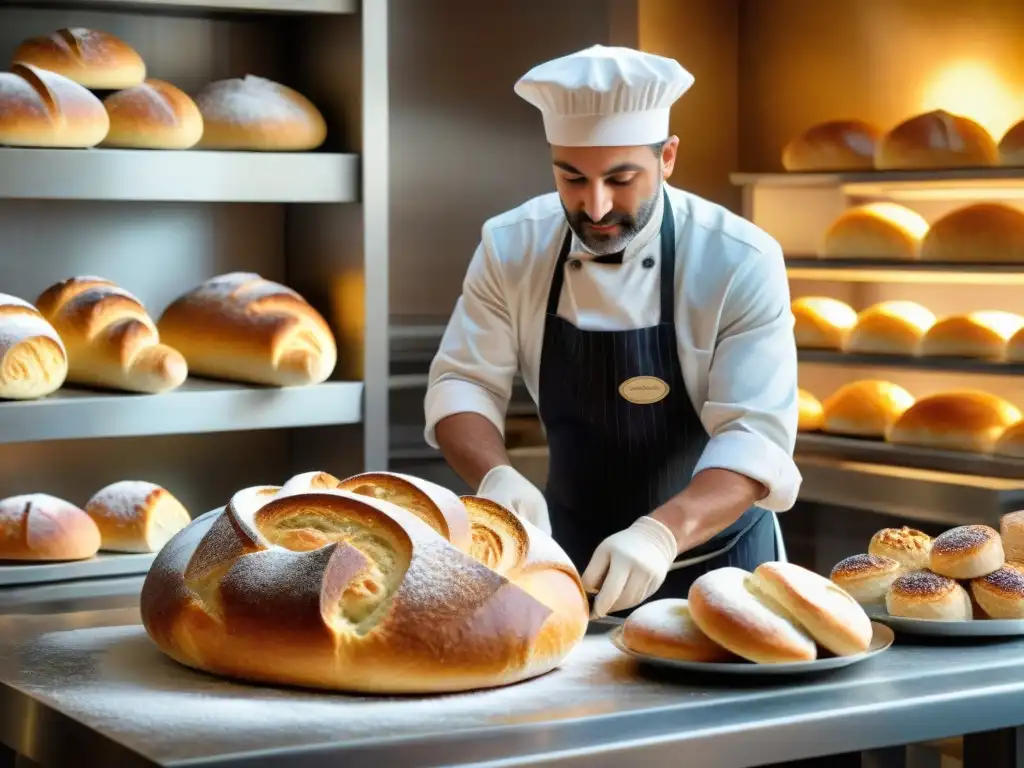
{"x": 653, "y": 330}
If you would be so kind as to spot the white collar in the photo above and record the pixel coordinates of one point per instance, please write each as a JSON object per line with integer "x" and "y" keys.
{"x": 638, "y": 244}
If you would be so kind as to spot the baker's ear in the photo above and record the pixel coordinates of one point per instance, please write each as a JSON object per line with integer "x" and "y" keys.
{"x": 668, "y": 156}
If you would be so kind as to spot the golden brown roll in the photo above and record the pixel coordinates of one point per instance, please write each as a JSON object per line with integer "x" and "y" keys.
{"x": 1011, "y": 444}
{"x": 976, "y": 334}
{"x": 909, "y": 547}
{"x": 811, "y": 413}
{"x": 1001, "y": 593}
{"x": 40, "y": 527}
{"x": 153, "y": 115}
{"x": 866, "y": 577}
{"x": 979, "y": 233}
{"x": 726, "y": 609}
{"x": 963, "y": 420}
{"x": 866, "y": 408}
{"x": 664, "y": 629}
{"x": 90, "y": 57}
{"x": 1011, "y": 531}
{"x": 927, "y": 595}
{"x": 835, "y": 145}
{"x": 889, "y": 328}
{"x": 44, "y": 109}
{"x": 136, "y": 516}
{"x": 967, "y": 552}
{"x": 936, "y": 139}
{"x": 1011, "y": 146}
{"x": 1015, "y": 348}
{"x": 821, "y": 322}
{"x": 253, "y": 113}
{"x": 880, "y": 230}
{"x": 33, "y": 361}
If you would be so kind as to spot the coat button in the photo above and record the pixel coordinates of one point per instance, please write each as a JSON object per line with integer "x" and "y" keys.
{"x": 576, "y": 264}
{"x": 648, "y": 262}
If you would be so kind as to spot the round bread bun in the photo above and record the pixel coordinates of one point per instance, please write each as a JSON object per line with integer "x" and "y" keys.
{"x": 1011, "y": 146}
{"x": 727, "y": 611}
{"x": 44, "y": 109}
{"x": 1011, "y": 443}
{"x": 811, "y": 413}
{"x": 964, "y": 420}
{"x": 866, "y": 577}
{"x": 889, "y": 328}
{"x": 936, "y": 139}
{"x": 835, "y": 145}
{"x": 153, "y": 115}
{"x": 822, "y": 608}
{"x": 967, "y": 552}
{"x": 976, "y": 334}
{"x": 1015, "y": 348}
{"x": 39, "y": 527}
{"x": 927, "y": 595}
{"x": 94, "y": 59}
{"x": 979, "y": 233}
{"x": 1011, "y": 531}
{"x": 664, "y": 629}
{"x": 821, "y": 322}
{"x": 880, "y": 230}
{"x": 909, "y": 547}
{"x": 866, "y": 408}
{"x": 1000, "y": 594}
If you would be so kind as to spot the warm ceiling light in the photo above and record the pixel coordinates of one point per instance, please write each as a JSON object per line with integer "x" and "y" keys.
{"x": 974, "y": 89}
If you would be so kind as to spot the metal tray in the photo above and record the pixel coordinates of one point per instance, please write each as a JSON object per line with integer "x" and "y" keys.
{"x": 103, "y": 564}
{"x": 931, "y": 628}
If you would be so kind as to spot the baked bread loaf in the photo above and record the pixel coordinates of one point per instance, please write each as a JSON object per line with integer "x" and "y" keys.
{"x": 979, "y": 233}
{"x": 880, "y": 230}
{"x": 835, "y": 145}
{"x": 865, "y": 408}
{"x": 94, "y": 59}
{"x": 1015, "y": 348}
{"x": 889, "y": 328}
{"x": 967, "y": 552}
{"x": 1011, "y": 531}
{"x": 153, "y": 115}
{"x": 33, "y": 361}
{"x": 110, "y": 338}
{"x": 136, "y": 516}
{"x": 966, "y": 420}
{"x": 44, "y": 109}
{"x": 310, "y": 585}
{"x": 812, "y": 416}
{"x": 1000, "y": 594}
{"x": 252, "y": 113}
{"x": 1011, "y": 146}
{"x": 936, "y": 139}
{"x": 909, "y": 547}
{"x": 976, "y": 334}
{"x": 241, "y": 327}
{"x": 867, "y": 578}
{"x": 41, "y": 527}
{"x": 666, "y": 630}
{"x": 927, "y": 595}
{"x": 821, "y": 322}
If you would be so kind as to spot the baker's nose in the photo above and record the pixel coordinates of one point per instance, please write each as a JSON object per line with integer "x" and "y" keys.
{"x": 598, "y": 202}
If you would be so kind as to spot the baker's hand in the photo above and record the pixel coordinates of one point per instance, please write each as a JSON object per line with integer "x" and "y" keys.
{"x": 504, "y": 485}
{"x": 629, "y": 566}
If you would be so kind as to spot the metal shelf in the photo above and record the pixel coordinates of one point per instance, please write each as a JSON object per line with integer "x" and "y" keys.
{"x": 198, "y": 406}
{"x": 104, "y": 564}
{"x": 879, "y": 271}
{"x": 228, "y": 6}
{"x": 187, "y": 176}
{"x": 947, "y": 364}
{"x": 1004, "y": 177}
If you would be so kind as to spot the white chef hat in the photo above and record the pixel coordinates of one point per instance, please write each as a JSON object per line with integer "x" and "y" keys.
{"x": 605, "y": 96}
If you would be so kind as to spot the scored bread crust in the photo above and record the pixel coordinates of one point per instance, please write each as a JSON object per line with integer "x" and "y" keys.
{"x": 152, "y": 115}
{"x": 33, "y": 360}
{"x": 936, "y": 139}
{"x": 136, "y": 516}
{"x": 41, "y": 527}
{"x": 44, "y": 109}
{"x": 387, "y": 605}
{"x": 92, "y": 58}
{"x": 834, "y": 145}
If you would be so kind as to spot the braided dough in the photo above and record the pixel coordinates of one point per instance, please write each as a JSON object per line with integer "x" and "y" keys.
{"x": 33, "y": 361}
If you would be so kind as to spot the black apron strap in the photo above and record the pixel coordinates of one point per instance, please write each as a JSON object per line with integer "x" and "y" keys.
{"x": 668, "y": 263}
{"x": 558, "y": 279}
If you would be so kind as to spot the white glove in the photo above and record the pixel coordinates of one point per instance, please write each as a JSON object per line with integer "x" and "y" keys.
{"x": 504, "y": 485}
{"x": 629, "y": 566}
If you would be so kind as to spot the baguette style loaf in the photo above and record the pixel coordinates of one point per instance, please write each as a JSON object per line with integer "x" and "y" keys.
{"x": 241, "y": 327}
{"x": 136, "y": 516}
{"x": 33, "y": 361}
{"x": 41, "y": 527}
{"x": 153, "y": 115}
{"x": 44, "y": 109}
{"x": 110, "y": 338}
{"x": 90, "y": 57}
{"x": 311, "y": 585}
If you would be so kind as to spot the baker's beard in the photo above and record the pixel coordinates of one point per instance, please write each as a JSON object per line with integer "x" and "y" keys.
{"x": 602, "y": 244}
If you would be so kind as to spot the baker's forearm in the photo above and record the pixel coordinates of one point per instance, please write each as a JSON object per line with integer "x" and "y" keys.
{"x": 714, "y": 500}
{"x": 471, "y": 444}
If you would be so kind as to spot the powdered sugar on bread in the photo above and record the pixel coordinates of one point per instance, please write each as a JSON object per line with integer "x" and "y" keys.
{"x": 248, "y": 100}
{"x": 124, "y": 500}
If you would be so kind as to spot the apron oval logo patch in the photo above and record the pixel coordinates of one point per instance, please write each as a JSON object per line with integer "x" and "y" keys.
{"x": 643, "y": 390}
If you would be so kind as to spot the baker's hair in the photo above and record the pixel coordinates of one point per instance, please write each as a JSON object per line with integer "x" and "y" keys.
{"x": 658, "y": 146}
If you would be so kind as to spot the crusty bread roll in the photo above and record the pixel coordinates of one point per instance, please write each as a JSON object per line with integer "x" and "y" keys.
{"x": 867, "y": 578}
{"x": 983, "y": 232}
{"x": 33, "y": 361}
{"x": 1000, "y": 594}
{"x": 44, "y": 109}
{"x": 40, "y": 527}
{"x": 927, "y": 595}
{"x": 252, "y": 113}
{"x": 880, "y": 230}
{"x": 136, "y": 516}
{"x": 821, "y": 322}
{"x": 889, "y": 328}
{"x": 936, "y": 139}
{"x": 1011, "y": 444}
{"x": 909, "y": 547}
{"x": 967, "y": 552}
{"x": 976, "y": 334}
{"x": 825, "y": 610}
{"x": 241, "y": 327}
{"x": 1011, "y": 146}
{"x": 865, "y": 408}
{"x": 666, "y": 630}
{"x": 965, "y": 420}
{"x": 811, "y": 413}
{"x": 91, "y": 58}
{"x": 314, "y": 586}
{"x": 153, "y": 115}
{"x": 1011, "y": 531}
{"x": 726, "y": 609}
{"x": 835, "y": 145}
{"x": 1014, "y": 351}
{"x": 110, "y": 338}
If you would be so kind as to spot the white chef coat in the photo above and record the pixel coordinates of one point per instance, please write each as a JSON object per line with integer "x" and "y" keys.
{"x": 734, "y": 326}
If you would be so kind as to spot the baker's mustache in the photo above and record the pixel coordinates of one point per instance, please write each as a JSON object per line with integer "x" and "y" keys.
{"x": 608, "y": 220}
